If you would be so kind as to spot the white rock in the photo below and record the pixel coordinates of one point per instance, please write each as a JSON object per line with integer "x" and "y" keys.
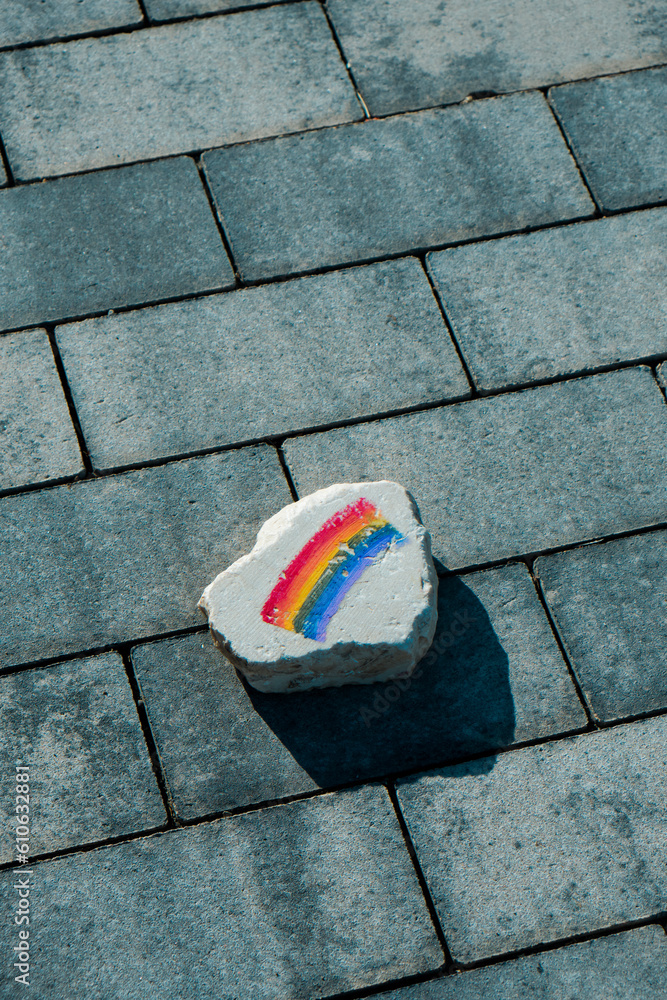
{"x": 340, "y": 588}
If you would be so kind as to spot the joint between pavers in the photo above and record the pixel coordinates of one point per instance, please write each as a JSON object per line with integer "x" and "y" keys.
{"x": 4, "y": 160}
{"x": 151, "y": 745}
{"x": 286, "y": 471}
{"x": 345, "y": 60}
{"x": 217, "y": 218}
{"x": 537, "y": 583}
{"x": 110, "y": 647}
{"x": 421, "y": 878}
{"x": 655, "y": 919}
{"x": 566, "y": 139}
{"x": 74, "y": 417}
{"x": 450, "y": 329}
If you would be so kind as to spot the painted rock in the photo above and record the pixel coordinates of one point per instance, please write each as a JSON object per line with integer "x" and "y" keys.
{"x": 340, "y": 588}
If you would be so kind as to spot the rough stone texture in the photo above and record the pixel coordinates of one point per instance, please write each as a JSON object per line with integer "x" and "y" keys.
{"x": 125, "y": 557}
{"x": 558, "y": 301}
{"x": 37, "y": 440}
{"x": 609, "y": 604}
{"x": 556, "y": 840}
{"x": 616, "y": 129}
{"x": 105, "y": 240}
{"x": 258, "y": 362}
{"x": 416, "y": 54}
{"x": 76, "y": 724}
{"x": 35, "y": 20}
{"x": 307, "y": 201}
{"x": 104, "y": 101}
{"x": 629, "y": 966}
{"x": 161, "y": 10}
{"x": 304, "y": 900}
{"x": 512, "y": 474}
{"x": 493, "y": 676}
{"x": 339, "y": 588}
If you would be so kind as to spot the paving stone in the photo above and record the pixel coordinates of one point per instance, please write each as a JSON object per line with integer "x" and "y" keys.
{"x": 258, "y": 362}
{"x": 289, "y": 903}
{"x": 106, "y": 240}
{"x": 22, "y": 22}
{"x": 628, "y": 966}
{"x": 616, "y": 130}
{"x": 609, "y": 604}
{"x": 494, "y": 676}
{"x": 512, "y": 474}
{"x": 37, "y": 440}
{"x": 307, "y": 201}
{"x": 556, "y": 840}
{"x": 126, "y": 557}
{"x": 104, "y": 101}
{"x": 412, "y": 55}
{"x": 562, "y": 300}
{"x": 161, "y": 10}
{"x": 77, "y": 727}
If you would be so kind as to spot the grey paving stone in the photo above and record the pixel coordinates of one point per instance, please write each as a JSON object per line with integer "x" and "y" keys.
{"x": 126, "y": 557}
{"x": 258, "y": 362}
{"x": 37, "y": 440}
{"x": 609, "y": 604}
{"x": 562, "y": 300}
{"x": 494, "y": 677}
{"x": 416, "y": 54}
{"x": 299, "y": 901}
{"x": 77, "y": 727}
{"x": 389, "y": 186}
{"x": 516, "y": 473}
{"x": 616, "y": 129}
{"x": 162, "y": 10}
{"x": 34, "y": 20}
{"x": 106, "y": 240}
{"x": 556, "y": 840}
{"x": 103, "y": 101}
{"x": 628, "y": 966}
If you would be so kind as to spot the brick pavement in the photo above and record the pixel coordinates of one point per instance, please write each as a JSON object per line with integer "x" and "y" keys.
{"x": 464, "y": 292}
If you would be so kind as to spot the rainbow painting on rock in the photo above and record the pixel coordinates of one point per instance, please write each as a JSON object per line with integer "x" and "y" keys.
{"x": 311, "y": 589}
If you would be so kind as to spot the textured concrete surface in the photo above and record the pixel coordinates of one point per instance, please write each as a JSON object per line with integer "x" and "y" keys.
{"x": 616, "y": 128}
{"x": 515, "y": 473}
{"x": 37, "y": 439}
{"x": 31, "y": 21}
{"x": 277, "y": 917}
{"x": 628, "y": 966}
{"x": 104, "y": 101}
{"x": 556, "y": 840}
{"x": 77, "y": 724}
{"x": 416, "y": 54}
{"x": 609, "y": 604}
{"x": 493, "y": 677}
{"x": 107, "y": 240}
{"x": 313, "y": 200}
{"x": 126, "y": 556}
{"x": 559, "y": 301}
{"x": 335, "y": 295}
{"x": 258, "y": 362}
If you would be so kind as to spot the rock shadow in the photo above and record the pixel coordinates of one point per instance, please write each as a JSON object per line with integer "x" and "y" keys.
{"x": 458, "y": 703}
